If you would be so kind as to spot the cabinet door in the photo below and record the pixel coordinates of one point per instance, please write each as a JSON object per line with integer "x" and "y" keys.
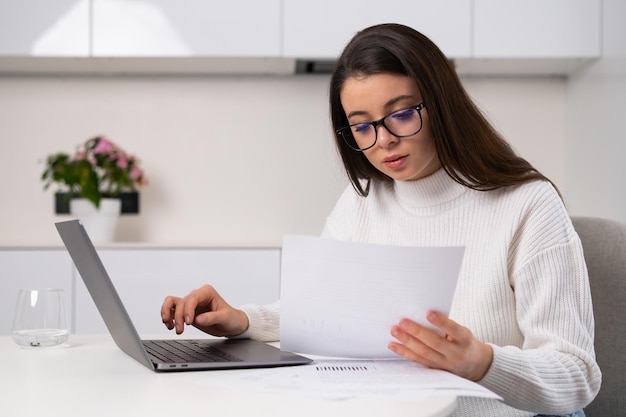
{"x": 44, "y": 28}
{"x": 144, "y": 277}
{"x": 168, "y": 28}
{"x": 537, "y": 29}
{"x": 36, "y": 268}
{"x": 321, "y": 29}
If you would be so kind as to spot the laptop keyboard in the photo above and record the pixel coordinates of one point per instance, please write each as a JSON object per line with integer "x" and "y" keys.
{"x": 182, "y": 351}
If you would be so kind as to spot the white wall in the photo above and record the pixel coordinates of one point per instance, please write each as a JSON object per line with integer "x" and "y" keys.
{"x": 596, "y": 125}
{"x": 230, "y": 160}
{"x": 236, "y": 159}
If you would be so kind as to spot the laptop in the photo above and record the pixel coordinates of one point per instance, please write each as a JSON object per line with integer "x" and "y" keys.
{"x": 161, "y": 355}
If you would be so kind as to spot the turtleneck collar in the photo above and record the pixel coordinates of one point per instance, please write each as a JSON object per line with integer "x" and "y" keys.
{"x": 433, "y": 190}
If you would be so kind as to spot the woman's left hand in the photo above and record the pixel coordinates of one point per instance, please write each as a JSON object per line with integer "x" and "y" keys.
{"x": 456, "y": 350}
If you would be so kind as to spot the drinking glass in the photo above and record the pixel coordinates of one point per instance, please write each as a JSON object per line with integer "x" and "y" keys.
{"x": 39, "y": 319}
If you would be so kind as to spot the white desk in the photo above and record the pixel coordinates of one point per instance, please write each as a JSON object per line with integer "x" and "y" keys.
{"x": 90, "y": 376}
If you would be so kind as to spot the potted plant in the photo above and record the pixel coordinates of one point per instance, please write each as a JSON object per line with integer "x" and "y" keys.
{"x": 99, "y": 168}
{"x": 98, "y": 171}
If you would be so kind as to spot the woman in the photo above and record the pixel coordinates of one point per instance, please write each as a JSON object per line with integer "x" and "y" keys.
{"x": 427, "y": 169}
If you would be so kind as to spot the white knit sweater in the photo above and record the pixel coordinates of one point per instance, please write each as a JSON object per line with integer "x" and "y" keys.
{"x": 523, "y": 285}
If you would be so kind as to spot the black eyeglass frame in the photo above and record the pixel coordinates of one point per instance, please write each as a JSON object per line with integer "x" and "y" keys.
{"x": 375, "y": 124}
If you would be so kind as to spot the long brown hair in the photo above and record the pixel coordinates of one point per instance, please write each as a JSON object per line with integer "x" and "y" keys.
{"x": 471, "y": 151}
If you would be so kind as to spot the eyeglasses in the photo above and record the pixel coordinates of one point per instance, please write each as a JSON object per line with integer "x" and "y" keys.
{"x": 401, "y": 123}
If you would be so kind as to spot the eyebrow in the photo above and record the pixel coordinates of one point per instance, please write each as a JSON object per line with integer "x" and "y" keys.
{"x": 387, "y": 104}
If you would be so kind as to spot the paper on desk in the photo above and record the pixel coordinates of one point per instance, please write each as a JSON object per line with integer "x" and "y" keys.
{"x": 345, "y": 379}
{"x": 341, "y": 298}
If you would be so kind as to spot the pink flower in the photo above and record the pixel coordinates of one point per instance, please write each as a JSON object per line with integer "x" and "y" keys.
{"x": 136, "y": 173}
{"x": 103, "y": 146}
{"x": 122, "y": 162}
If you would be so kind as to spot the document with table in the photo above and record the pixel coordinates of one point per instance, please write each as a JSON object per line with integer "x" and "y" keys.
{"x": 346, "y": 379}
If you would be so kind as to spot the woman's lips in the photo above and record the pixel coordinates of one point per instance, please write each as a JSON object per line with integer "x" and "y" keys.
{"x": 395, "y": 161}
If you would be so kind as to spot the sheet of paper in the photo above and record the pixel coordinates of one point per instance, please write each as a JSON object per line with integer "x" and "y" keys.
{"x": 341, "y": 298}
{"x": 346, "y": 379}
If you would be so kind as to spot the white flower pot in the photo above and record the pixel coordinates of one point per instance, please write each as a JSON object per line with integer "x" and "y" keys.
{"x": 99, "y": 223}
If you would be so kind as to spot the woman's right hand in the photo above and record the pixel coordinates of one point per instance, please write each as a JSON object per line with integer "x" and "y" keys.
{"x": 206, "y": 310}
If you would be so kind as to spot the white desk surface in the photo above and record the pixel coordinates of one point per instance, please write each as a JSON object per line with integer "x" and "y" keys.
{"x": 90, "y": 376}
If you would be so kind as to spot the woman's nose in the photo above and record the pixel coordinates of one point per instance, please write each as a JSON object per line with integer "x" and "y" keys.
{"x": 385, "y": 138}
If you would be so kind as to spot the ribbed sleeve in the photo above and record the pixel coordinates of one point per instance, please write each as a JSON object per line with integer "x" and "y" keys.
{"x": 264, "y": 322}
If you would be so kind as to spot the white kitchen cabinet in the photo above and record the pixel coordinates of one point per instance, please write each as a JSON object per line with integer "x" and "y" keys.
{"x": 144, "y": 277}
{"x": 537, "y": 29}
{"x": 268, "y": 36}
{"x": 36, "y": 268}
{"x": 57, "y": 28}
{"x": 186, "y": 28}
{"x": 321, "y": 29}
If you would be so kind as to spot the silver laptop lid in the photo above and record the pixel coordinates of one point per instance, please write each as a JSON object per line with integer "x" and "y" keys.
{"x": 101, "y": 289}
